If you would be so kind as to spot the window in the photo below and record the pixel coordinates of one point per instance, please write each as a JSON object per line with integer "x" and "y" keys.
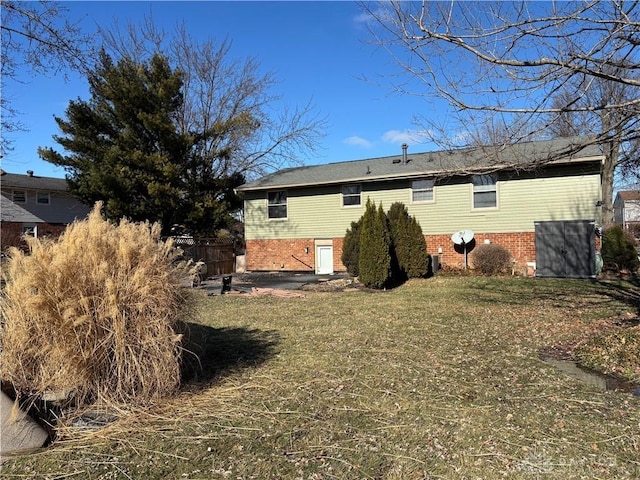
{"x": 351, "y": 195}
{"x": 422, "y": 191}
{"x": 277, "y": 204}
{"x": 30, "y": 229}
{"x": 43, "y": 198}
{"x": 20, "y": 196}
{"x": 484, "y": 191}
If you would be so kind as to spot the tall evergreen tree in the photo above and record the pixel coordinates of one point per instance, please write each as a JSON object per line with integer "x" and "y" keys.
{"x": 419, "y": 260}
{"x": 398, "y": 217}
{"x": 375, "y": 247}
{"x": 408, "y": 243}
{"x": 123, "y": 143}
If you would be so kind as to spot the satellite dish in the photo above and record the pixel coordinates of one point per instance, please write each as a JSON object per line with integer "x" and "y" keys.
{"x": 462, "y": 237}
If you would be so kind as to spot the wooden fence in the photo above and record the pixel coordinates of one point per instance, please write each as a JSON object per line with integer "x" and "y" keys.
{"x": 218, "y": 254}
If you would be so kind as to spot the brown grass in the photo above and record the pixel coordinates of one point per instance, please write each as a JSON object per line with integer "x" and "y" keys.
{"x": 93, "y": 315}
{"x": 437, "y": 379}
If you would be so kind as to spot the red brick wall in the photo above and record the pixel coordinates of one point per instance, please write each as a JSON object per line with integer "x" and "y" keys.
{"x": 12, "y": 233}
{"x": 277, "y": 254}
{"x": 521, "y": 245}
{"x": 273, "y": 255}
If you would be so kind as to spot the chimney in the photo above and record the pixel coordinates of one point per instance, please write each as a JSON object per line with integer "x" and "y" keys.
{"x": 404, "y": 153}
{"x": 30, "y": 173}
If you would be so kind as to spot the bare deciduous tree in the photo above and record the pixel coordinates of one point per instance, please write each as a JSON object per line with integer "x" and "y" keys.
{"x": 528, "y": 63}
{"x": 617, "y": 128}
{"x": 239, "y": 125}
{"x": 36, "y": 39}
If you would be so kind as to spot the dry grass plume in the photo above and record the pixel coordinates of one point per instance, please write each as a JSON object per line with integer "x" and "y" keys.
{"x": 94, "y": 315}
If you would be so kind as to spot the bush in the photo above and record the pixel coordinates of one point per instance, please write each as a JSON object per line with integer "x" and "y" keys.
{"x": 94, "y": 314}
{"x": 408, "y": 243}
{"x": 618, "y": 250}
{"x": 351, "y": 248}
{"x": 375, "y": 248}
{"x": 491, "y": 259}
{"x": 419, "y": 259}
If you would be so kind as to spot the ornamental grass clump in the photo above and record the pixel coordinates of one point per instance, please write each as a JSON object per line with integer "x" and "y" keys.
{"x": 94, "y": 316}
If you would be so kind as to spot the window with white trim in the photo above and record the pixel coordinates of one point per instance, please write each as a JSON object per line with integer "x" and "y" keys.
{"x": 485, "y": 191}
{"x": 20, "y": 196}
{"x": 277, "y": 204}
{"x": 351, "y": 195}
{"x": 30, "y": 229}
{"x": 43, "y": 198}
{"x": 422, "y": 191}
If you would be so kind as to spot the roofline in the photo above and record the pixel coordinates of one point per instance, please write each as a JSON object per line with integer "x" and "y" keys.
{"x": 432, "y": 173}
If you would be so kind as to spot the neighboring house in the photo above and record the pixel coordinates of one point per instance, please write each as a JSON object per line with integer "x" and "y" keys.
{"x": 626, "y": 210}
{"x": 296, "y": 218}
{"x": 33, "y": 205}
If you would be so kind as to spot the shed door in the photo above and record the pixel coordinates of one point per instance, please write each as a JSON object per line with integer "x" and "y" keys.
{"x": 324, "y": 259}
{"x": 565, "y": 249}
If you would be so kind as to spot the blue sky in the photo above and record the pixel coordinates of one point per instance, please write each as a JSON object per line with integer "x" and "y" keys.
{"x": 319, "y": 52}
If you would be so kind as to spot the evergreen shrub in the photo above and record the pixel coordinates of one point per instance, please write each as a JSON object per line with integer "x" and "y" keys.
{"x": 618, "y": 250}
{"x": 408, "y": 243}
{"x": 351, "y": 248}
{"x": 375, "y": 248}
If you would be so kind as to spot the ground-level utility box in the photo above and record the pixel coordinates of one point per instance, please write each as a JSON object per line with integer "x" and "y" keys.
{"x": 566, "y": 249}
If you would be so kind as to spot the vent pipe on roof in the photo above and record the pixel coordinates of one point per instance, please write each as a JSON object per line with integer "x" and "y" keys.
{"x": 30, "y": 173}
{"x": 404, "y": 153}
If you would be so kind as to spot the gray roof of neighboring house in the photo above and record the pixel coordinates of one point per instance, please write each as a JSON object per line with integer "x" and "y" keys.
{"x": 15, "y": 213}
{"x": 441, "y": 163}
{"x": 33, "y": 182}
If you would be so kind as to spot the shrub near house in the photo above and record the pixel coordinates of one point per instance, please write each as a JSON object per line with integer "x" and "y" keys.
{"x": 618, "y": 250}
{"x": 491, "y": 259}
{"x": 385, "y": 249}
{"x": 375, "y": 248}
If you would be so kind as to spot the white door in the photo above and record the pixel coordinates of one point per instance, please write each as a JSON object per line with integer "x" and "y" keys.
{"x": 324, "y": 259}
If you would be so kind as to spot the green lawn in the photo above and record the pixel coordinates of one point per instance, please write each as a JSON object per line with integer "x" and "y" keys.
{"x": 439, "y": 378}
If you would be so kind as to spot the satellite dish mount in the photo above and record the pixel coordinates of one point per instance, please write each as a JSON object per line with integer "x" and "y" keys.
{"x": 463, "y": 238}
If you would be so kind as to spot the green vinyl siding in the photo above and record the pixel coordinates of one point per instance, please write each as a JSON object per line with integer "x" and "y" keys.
{"x": 318, "y": 212}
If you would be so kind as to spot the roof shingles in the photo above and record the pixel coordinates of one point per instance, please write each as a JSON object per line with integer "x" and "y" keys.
{"x": 468, "y": 160}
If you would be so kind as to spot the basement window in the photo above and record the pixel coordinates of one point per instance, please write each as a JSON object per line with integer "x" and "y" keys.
{"x": 485, "y": 191}
{"x": 277, "y": 204}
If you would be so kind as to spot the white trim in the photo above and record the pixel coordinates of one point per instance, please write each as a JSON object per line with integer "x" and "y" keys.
{"x": 286, "y": 205}
{"x": 351, "y": 195}
{"x": 484, "y": 189}
{"x": 432, "y": 189}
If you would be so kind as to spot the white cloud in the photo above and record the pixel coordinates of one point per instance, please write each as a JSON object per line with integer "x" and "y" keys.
{"x": 370, "y": 16}
{"x": 406, "y": 136}
{"x": 358, "y": 142}
{"x": 364, "y": 17}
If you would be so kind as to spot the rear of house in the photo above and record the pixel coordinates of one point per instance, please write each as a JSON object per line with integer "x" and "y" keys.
{"x": 34, "y": 205}
{"x": 295, "y": 219}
